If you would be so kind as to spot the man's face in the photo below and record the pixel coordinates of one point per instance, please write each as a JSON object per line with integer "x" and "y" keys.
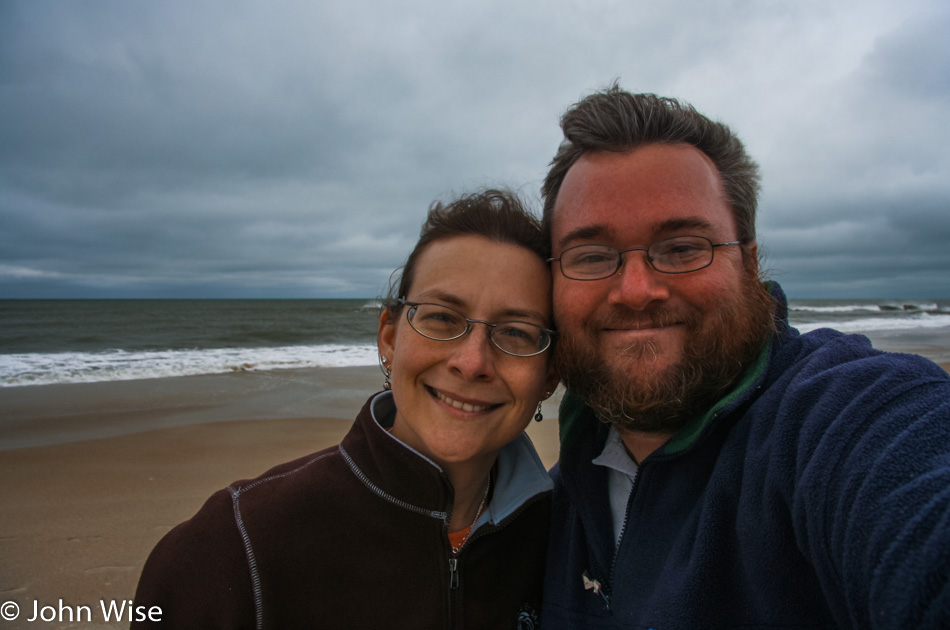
{"x": 642, "y": 339}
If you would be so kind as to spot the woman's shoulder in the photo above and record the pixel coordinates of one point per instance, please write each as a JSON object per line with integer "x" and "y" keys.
{"x": 286, "y": 476}
{"x": 216, "y": 520}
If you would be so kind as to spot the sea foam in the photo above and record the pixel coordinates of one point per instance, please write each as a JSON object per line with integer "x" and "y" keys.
{"x": 118, "y": 365}
{"x": 919, "y": 321}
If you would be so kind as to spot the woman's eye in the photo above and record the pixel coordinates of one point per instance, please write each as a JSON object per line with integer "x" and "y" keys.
{"x": 438, "y": 316}
{"x": 516, "y": 332}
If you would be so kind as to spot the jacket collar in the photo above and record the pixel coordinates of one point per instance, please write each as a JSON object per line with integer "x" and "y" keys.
{"x": 402, "y": 471}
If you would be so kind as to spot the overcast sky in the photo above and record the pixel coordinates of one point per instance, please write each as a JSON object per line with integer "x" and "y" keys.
{"x": 291, "y": 148}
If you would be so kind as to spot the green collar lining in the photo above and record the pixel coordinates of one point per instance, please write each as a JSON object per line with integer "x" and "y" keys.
{"x": 575, "y": 418}
{"x": 688, "y": 435}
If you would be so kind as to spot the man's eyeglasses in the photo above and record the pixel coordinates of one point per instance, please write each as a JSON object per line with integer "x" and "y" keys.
{"x": 442, "y": 323}
{"x": 680, "y": 254}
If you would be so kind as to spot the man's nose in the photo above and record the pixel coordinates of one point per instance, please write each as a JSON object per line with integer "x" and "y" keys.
{"x": 637, "y": 284}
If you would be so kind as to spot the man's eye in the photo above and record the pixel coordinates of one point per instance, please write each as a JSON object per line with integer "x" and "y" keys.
{"x": 683, "y": 250}
{"x": 591, "y": 258}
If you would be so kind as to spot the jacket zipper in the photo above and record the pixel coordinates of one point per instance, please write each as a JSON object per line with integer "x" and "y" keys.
{"x": 453, "y": 573}
{"x": 453, "y": 594}
{"x": 606, "y": 588}
{"x": 484, "y": 531}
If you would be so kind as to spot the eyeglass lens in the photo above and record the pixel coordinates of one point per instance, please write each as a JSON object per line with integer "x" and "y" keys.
{"x": 443, "y": 323}
{"x": 679, "y": 254}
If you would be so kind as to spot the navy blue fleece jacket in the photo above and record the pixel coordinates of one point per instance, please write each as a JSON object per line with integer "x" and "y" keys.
{"x": 816, "y": 494}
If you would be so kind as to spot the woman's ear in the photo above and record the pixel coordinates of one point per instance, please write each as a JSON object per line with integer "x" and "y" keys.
{"x": 386, "y": 334}
{"x": 552, "y": 381}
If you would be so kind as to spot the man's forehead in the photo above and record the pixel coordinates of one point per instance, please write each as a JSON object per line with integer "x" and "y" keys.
{"x": 658, "y": 189}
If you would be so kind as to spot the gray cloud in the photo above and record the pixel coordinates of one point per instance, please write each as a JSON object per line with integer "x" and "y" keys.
{"x": 857, "y": 198}
{"x": 291, "y": 148}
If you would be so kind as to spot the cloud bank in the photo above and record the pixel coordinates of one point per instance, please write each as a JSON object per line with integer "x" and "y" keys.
{"x": 290, "y": 149}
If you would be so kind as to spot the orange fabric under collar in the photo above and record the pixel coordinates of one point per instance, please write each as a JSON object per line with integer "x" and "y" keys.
{"x": 457, "y": 538}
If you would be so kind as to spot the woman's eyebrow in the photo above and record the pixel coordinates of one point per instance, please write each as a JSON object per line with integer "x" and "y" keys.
{"x": 455, "y": 302}
{"x": 442, "y": 296}
{"x": 522, "y": 314}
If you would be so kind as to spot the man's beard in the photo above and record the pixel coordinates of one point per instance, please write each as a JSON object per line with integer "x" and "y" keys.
{"x": 714, "y": 355}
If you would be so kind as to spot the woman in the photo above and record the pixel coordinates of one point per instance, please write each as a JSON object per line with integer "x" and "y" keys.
{"x": 433, "y": 510}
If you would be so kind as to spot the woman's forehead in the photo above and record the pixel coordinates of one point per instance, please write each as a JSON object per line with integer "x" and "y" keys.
{"x": 473, "y": 272}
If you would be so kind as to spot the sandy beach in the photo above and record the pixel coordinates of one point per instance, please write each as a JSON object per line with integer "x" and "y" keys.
{"x": 95, "y": 474}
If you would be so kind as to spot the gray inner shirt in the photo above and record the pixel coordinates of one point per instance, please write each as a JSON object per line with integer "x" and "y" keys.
{"x": 621, "y": 473}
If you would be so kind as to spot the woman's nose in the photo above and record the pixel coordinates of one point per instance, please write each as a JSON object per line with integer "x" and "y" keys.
{"x": 473, "y": 355}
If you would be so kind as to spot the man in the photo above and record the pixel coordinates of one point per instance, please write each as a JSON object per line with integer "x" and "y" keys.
{"x": 717, "y": 468}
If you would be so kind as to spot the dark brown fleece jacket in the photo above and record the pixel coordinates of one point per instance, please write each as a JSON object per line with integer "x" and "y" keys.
{"x": 355, "y": 537}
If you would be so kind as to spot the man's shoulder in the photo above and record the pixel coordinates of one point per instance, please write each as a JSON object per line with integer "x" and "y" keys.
{"x": 825, "y": 376}
{"x": 829, "y": 353}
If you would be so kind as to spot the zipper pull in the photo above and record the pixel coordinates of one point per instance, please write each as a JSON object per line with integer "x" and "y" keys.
{"x": 598, "y": 588}
{"x": 453, "y": 573}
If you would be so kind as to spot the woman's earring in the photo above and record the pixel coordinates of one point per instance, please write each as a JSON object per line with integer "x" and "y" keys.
{"x": 538, "y": 417}
{"x": 389, "y": 372}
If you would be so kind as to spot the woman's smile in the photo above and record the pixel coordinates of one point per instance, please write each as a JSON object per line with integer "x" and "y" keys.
{"x": 456, "y": 402}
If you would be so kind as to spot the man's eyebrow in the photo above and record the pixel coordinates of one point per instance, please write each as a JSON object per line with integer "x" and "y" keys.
{"x": 599, "y": 231}
{"x": 584, "y": 233}
{"x": 678, "y": 224}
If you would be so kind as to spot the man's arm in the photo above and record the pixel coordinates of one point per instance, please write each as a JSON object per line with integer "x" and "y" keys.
{"x": 872, "y": 502}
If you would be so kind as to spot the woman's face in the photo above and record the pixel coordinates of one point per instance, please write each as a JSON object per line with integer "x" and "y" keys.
{"x": 462, "y": 400}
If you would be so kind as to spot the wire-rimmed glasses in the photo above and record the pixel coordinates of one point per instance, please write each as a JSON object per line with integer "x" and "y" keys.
{"x": 443, "y": 323}
{"x": 679, "y": 254}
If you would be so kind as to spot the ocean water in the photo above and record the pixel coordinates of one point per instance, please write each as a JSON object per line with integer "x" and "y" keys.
{"x": 870, "y": 316}
{"x": 75, "y": 341}
{"x": 82, "y": 341}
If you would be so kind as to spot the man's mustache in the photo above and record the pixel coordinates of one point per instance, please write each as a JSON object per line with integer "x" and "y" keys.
{"x": 621, "y": 318}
